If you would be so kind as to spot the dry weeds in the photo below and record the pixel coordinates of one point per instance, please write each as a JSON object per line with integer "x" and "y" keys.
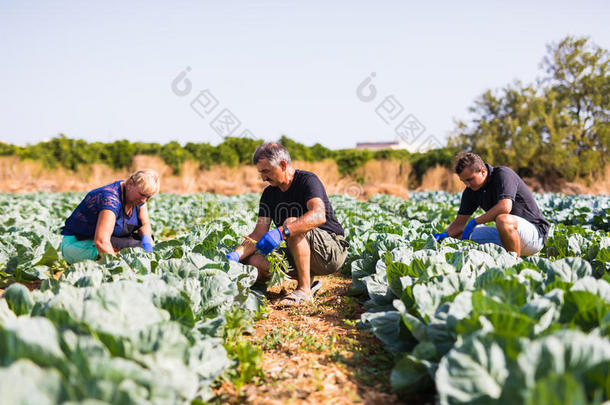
{"x": 441, "y": 178}
{"x": 383, "y": 177}
{"x": 599, "y": 184}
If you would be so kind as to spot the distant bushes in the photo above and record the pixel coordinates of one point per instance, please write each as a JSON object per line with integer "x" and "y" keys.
{"x": 72, "y": 153}
{"x": 421, "y": 162}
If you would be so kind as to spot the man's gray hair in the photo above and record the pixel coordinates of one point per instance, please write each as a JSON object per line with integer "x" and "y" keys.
{"x": 273, "y": 152}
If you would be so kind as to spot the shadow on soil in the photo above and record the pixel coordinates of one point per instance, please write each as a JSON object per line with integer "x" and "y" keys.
{"x": 367, "y": 363}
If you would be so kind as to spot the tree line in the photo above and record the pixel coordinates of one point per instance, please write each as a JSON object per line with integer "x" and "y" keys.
{"x": 233, "y": 151}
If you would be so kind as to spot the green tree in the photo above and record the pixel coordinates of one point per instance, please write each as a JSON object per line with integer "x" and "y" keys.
{"x": 203, "y": 153}
{"x": 143, "y": 148}
{"x": 350, "y": 160}
{"x": 420, "y": 162}
{"x": 557, "y": 127}
{"x": 59, "y": 151}
{"x": 297, "y": 150}
{"x": 579, "y": 75}
{"x": 391, "y": 154}
{"x": 223, "y": 153}
{"x": 243, "y": 147}
{"x": 7, "y": 149}
{"x": 120, "y": 153}
{"x": 174, "y": 155}
{"x": 319, "y": 152}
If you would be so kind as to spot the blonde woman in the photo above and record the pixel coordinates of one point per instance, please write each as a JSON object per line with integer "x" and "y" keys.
{"x": 111, "y": 218}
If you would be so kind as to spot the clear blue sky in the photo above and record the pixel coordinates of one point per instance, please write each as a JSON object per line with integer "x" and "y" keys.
{"x": 103, "y": 70}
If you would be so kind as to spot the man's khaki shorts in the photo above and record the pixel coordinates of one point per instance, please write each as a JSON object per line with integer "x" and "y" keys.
{"x": 328, "y": 253}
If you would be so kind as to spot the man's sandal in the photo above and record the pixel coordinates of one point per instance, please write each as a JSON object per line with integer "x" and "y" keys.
{"x": 294, "y": 298}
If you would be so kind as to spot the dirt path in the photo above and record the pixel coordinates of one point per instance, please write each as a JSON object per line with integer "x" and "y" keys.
{"x": 315, "y": 354}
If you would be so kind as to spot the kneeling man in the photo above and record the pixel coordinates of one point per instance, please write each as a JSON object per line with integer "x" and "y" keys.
{"x": 505, "y": 198}
{"x": 296, "y": 202}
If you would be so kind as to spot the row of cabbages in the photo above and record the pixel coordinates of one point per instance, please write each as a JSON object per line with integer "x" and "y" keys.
{"x": 139, "y": 328}
{"x": 477, "y": 323}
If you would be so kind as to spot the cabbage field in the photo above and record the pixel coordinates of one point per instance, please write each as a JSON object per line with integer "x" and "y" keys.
{"x": 472, "y": 322}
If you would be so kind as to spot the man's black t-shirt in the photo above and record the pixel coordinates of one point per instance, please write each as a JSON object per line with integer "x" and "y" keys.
{"x": 502, "y": 183}
{"x": 279, "y": 205}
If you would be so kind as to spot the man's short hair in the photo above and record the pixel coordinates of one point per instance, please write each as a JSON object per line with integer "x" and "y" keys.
{"x": 468, "y": 160}
{"x": 273, "y": 152}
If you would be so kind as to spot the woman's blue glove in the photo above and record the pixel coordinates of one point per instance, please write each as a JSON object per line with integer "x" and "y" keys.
{"x": 234, "y": 256}
{"x": 147, "y": 243}
{"x": 469, "y": 228}
{"x": 269, "y": 241}
{"x": 440, "y": 236}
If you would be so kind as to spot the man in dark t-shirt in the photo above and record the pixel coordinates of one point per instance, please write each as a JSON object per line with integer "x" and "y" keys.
{"x": 506, "y": 200}
{"x": 296, "y": 202}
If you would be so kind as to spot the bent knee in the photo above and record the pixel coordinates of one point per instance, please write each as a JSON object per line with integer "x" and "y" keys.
{"x": 254, "y": 259}
{"x": 506, "y": 221}
{"x": 296, "y": 241}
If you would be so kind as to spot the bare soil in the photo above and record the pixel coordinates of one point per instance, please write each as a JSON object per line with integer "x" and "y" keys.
{"x": 315, "y": 354}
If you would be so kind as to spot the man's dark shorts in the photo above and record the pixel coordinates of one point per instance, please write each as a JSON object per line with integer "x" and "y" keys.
{"x": 328, "y": 253}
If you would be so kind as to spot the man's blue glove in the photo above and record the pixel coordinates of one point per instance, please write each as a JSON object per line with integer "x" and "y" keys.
{"x": 269, "y": 241}
{"x": 440, "y": 236}
{"x": 234, "y": 256}
{"x": 147, "y": 243}
{"x": 469, "y": 228}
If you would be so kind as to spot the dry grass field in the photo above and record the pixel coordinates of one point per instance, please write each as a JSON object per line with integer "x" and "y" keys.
{"x": 384, "y": 177}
